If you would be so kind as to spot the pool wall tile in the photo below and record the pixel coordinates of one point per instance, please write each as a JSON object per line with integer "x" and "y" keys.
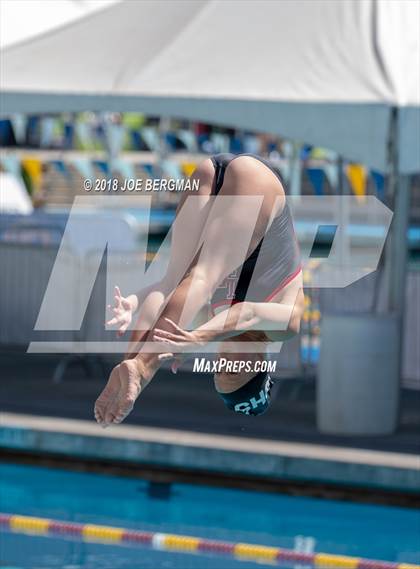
{"x": 387, "y": 473}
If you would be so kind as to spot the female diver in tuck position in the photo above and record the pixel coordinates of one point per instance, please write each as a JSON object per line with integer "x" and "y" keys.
{"x": 253, "y": 301}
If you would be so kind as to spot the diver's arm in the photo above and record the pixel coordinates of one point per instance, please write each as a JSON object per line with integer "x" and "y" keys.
{"x": 281, "y": 317}
{"x": 245, "y": 316}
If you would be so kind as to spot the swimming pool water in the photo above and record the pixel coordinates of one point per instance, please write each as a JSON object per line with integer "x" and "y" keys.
{"x": 306, "y": 524}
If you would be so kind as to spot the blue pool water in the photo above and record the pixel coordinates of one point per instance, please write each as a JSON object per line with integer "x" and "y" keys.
{"x": 306, "y": 524}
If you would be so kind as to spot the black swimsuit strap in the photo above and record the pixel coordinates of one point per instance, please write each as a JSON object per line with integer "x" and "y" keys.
{"x": 220, "y": 162}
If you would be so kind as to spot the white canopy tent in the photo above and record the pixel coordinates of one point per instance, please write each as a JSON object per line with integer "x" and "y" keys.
{"x": 327, "y": 73}
{"x": 344, "y": 75}
{"x": 24, "y": 19}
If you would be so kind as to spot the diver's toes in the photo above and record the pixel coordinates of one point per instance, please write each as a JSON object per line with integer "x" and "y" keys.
{"x": 123, "y": 412}
{"x": 99, "y": 413}
{"x": 109, "y": 418}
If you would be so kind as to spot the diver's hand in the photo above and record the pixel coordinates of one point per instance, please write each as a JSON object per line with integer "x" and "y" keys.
{"x": 123, "y": 312}
{"x": 177, "y": 341}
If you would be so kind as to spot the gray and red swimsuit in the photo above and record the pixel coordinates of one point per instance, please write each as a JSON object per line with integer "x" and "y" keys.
{"x": 277, "y": 253}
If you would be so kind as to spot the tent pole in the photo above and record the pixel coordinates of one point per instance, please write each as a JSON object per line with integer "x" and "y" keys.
{"x": 396, "y": 251}
{"x": 399, "y": 200}
{"x": 343, "y": 213}
{"x": 399, "y": 246}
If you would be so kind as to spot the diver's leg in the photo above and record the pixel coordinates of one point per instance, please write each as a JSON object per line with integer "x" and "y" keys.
{"x": 194, "y": 208}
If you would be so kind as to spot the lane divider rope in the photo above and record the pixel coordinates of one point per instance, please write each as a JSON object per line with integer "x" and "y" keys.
{"x": 187, "y": 544}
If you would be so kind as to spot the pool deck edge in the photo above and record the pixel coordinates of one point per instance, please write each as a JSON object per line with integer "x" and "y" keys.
{"x": 214, "y": 453}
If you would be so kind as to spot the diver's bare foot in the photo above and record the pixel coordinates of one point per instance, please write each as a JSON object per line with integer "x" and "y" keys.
{"x": 124, "y": 386}
{"x": 107, "y": 396}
